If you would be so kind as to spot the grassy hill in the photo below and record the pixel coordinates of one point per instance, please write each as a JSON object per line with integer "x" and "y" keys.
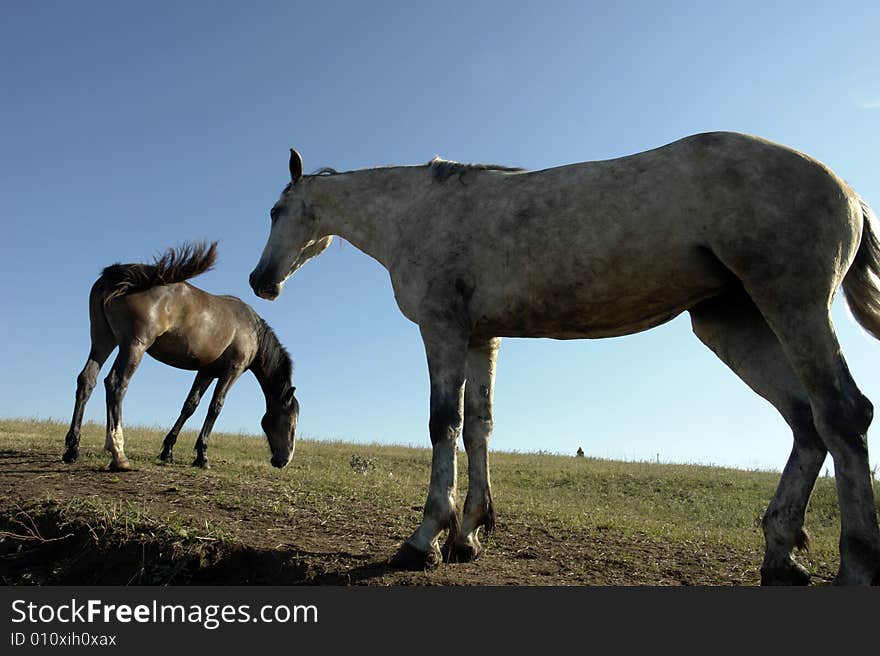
{"x": 339, "y": 510}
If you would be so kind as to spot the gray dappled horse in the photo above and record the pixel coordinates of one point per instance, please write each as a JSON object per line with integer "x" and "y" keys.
{"x": 149, "y": 308}
{"x": 752, "y": 238}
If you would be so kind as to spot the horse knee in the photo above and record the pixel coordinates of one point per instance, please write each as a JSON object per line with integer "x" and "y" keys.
{"x": 111, "y": 381}
{"x": 444, "y": 424}
{"x": 477, "y": 430}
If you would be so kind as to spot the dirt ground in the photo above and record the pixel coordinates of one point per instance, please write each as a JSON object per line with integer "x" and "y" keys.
{"x": 42, "y": 544}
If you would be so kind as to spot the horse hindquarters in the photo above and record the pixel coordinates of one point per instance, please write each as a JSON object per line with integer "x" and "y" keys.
{"x": 792, "y": 283}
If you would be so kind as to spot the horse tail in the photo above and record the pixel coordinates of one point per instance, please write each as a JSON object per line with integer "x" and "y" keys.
{"x": 175, "y": 265}
{"x": 861, "y": 286}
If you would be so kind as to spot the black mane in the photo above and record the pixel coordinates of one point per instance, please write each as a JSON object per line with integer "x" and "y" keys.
{"x": 273, "y": 359}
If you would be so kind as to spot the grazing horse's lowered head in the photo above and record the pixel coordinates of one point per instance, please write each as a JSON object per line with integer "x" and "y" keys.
{"x": 282, "y": 410}
{"x": 294, "y": 237}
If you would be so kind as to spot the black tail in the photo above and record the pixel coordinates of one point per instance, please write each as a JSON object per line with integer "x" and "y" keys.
{"x": 175, "y": 265}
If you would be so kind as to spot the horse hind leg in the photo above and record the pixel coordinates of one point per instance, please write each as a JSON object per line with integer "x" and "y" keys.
{"x": 841, "y": 415}
{"x": 85, "y": 384}
{"x": 103, "y": 344}
{"x": 733, "y": 328}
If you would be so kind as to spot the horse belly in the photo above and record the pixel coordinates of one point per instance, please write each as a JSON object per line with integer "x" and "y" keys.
{"x": 604, "y": 305}
{"x": 178, "y": 351}
{"x": 587, "y": 320}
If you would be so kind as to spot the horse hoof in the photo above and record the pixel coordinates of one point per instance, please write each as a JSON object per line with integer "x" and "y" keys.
{"x": 202, "y": 463}
{"x": 120, "y": 466}
{"x": 862, "y": 578}
{"x": 70, "y": 455}
{"x": 461, "y": 552}
{"x": 166, "y": 458}
{"x": 410, "y": 558}
{"x": 790, "y": 574}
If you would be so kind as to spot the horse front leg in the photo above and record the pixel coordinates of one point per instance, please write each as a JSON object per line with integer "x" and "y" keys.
{"x": 201, "y": 383}
{"x": 478, "y": 395}
{"x": 446, "y": 352}
{"x": 217, "y": 400}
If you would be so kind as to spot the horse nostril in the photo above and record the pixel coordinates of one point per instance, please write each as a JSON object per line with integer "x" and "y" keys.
{"x": 252, "y": 279}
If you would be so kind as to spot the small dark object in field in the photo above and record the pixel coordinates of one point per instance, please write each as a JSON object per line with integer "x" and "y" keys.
{"x": 361, "y": 464}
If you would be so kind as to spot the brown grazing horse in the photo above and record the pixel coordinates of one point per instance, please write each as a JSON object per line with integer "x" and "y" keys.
{"x": 149, "y": 308}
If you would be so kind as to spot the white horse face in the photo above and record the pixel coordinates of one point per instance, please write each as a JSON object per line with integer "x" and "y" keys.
{"x": 293, "y": 238}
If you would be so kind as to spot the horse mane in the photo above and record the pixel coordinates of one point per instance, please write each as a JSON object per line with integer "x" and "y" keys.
{"x": 273, "y": 358}
{"x": 174, "y": 265}
{"x": 443, "y": 169}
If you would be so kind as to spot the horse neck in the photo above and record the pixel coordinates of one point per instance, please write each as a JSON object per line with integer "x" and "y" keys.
{"x": 268, "y": 372}
{"x": 366, "y": 207}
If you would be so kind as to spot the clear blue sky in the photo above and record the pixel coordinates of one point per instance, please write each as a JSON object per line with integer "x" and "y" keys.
{"x": 129, "y": 127}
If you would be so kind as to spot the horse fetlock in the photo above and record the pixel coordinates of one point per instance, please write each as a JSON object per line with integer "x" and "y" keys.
{"x": 71, "y": 441}
{"x": 478, "y": 514}
{"x": 462, "y": 550}
{"x": 488, "y": 522}
{"x": 802, "y": 540}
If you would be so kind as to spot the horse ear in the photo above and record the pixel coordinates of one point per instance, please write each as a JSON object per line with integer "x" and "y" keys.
{"x": 296, "y": 166}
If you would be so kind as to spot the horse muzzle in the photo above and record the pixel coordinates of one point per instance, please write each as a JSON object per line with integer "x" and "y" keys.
{"x": 263, "y": 289}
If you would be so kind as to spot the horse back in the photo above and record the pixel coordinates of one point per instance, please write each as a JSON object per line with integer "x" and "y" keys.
{"x": 617, "y": 246}
{"x": 187, "y": 327}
